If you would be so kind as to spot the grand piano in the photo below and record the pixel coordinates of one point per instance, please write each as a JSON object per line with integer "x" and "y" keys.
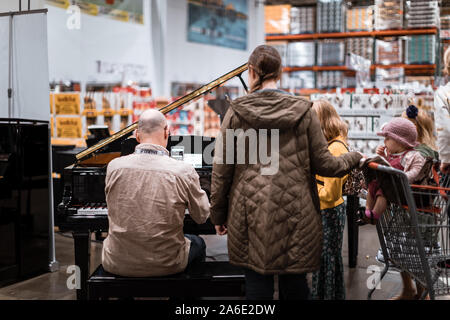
{"x": 83, "y": 209}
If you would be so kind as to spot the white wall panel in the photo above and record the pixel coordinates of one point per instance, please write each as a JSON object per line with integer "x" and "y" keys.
{"x": 4, "y": 59}
{"x": 30, "y": 67}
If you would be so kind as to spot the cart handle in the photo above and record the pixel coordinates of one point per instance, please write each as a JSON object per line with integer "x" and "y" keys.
{"x": 430, "y": 187}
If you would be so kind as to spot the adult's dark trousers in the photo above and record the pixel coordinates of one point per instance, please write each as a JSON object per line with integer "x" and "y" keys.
{"x": 197, "y": 251}
{"x": 290, "y": 286}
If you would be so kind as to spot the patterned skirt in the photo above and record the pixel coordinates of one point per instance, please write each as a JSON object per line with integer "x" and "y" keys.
{"x": 328, "y": 282}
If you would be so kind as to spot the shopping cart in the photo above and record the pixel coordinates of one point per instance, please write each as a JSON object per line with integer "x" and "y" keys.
{"x": 414, "y": 230}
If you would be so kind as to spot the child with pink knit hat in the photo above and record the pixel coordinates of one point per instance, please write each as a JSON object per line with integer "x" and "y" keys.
{"x": 400, "y": 137}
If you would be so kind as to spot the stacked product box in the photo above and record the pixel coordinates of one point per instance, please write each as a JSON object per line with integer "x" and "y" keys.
{"x": 421, "y": 49}
{"x": 277, "y": 19}
{"x": 331, "y": 53}
{"x": 389, "y": 77}
{"x": 422, "y": 14}
{"x": 388, "y": 51}
{"x": 301, "y": 80}
{"x": 361, "y": 46}
{"x": 301, "y": 54}
{"x": 303, "y": 20}
{"x": 360, "y": 19}
{"x": 445, "y": 23}
{"x": 330, "y": 79}
{"x": 388, "y": 14}
{"x": 330, "y": 16}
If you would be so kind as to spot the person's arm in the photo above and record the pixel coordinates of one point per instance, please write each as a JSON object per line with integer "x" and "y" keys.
{"x": 198, "y": 204}
{"x": 413, "y": 165}
{"x": 322, "y": 161}
{"x": 331, "y": 189}
{"x": 442, "y": 121}
{"x": 222, "y": 175}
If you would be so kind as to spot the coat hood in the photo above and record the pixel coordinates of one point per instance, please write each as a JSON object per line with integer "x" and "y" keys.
{"x": 271, "y": 109}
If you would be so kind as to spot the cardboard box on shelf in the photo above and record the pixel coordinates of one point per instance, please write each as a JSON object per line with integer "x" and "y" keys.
{"x": 277, "y": 19}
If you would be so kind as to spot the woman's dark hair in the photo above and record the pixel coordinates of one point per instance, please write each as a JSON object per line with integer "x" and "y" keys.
{"x": 266, "y": 62}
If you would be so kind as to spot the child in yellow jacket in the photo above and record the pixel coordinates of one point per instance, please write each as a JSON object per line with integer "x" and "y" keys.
{"x": 328, "y": 282}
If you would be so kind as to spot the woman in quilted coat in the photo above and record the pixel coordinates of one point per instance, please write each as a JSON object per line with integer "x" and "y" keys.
{"x": 270, "y": 209}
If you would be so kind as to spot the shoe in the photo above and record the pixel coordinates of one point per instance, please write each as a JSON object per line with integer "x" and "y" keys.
{"x": 379, "y": 257}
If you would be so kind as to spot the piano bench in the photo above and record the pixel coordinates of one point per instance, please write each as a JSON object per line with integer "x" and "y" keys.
{"x": 205, "y": 279}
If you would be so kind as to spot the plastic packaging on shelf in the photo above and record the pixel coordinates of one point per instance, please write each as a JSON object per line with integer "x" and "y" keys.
{"x": 421, "y": 49}
{"x": 388, "y": 51}
{"x": 301, "y": 80}
{"x": 301, "y": 54}
{"x": 361, "y": 46}
{"x": 330, "y": 16}
{"x": 360, "y": 19}
{"x": 277, "y": 19}
{"x": 388, "y": 77}
{"x": 362, "y": 68}
{"x": 421, "y": 14}
{"x": 388, "y": 14}
{"x": 331, "y": 53}
{"x": 303, "y": 20}
{"x": 330, "y": 79}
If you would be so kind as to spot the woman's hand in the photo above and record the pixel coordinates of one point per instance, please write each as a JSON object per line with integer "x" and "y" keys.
{"x": 221, "y": 230}
{"x": 381, "y": 151}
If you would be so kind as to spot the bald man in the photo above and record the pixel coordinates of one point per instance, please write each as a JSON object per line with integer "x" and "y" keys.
{"x": 147, "y": 194}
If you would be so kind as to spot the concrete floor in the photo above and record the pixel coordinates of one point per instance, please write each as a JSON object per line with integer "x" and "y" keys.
{"x": 52, "y": 286}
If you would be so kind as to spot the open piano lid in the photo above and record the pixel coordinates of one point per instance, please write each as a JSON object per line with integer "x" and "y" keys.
{"x": 89, "y": 152}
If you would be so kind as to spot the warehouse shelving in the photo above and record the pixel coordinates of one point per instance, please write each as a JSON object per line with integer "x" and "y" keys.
{"x": 342, "y": 35}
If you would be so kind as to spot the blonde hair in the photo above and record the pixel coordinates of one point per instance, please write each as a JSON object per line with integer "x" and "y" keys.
{"x": 425, "y": 128}
{"x": 447, "y": 61}
{"x": 330, "y": 122}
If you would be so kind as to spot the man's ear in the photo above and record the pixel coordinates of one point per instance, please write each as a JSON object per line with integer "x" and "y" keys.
{"x": 138, "y": 139}
{"x": 166, "y": 132}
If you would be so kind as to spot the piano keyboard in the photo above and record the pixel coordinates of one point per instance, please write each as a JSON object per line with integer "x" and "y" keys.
{"x": 93, "y": 209}
{"x": 100, "y": 209}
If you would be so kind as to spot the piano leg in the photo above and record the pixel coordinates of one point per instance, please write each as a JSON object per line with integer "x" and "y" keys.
{"x": 352, "y": 229}
{"x": 82, "y": 241}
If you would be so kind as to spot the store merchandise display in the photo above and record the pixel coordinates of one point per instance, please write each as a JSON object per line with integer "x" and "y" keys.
{"x": 388, "y": 14}
{"x": 421, "y": 80}
{"x": 331, "y": 52}
{"x": 330, "y": 79}
{"x": 303, "y": 20}
{"x": 365, "y": 114}
{"x": 277, "y": 19}
{"x": 330, "y": 16}
{"x": 388, "y": 51}
{"x": 444, "y": 23}
{"x": 301, "y": 54}
{"x": 421, "y": 14}
{"x": 300, "y": 80}
{"x": 211, "y": 122}
{"x": 420, "y": 49}
{"x": 389, "y": 77}
{"x": 361, "y": 46}
{"x": 360, "y": 18}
